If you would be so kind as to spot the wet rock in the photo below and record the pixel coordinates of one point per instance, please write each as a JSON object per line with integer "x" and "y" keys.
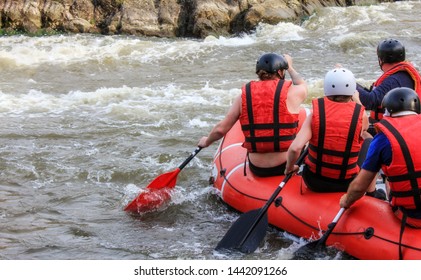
{"x": 161, "y": 18}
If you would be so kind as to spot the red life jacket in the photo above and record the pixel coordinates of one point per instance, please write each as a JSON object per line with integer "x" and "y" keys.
{"x": 336, "y": 138}
{"x": 377, "y": 114}
{"x": 404, "y": 172}
{"x": 267, "y": 124}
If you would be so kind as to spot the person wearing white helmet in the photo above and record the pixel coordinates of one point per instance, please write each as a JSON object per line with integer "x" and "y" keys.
{"x": 335, "y": 132}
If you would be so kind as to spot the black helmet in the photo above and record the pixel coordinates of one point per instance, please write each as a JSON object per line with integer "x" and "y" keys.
{"x": 401, "y": 99}
{"x": 390, "y": 51}
{"x": 271, "y": 63}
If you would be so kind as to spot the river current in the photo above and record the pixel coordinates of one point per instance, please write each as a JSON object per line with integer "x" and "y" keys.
{"x": 87, "y": 121}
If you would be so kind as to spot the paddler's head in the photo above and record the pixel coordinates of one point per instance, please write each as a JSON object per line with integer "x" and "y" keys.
{"x": 339, "y": 84}
{"x": 271, "y": 66}
{"x": 390, "y": 51}
{"x": 401, "y": 101}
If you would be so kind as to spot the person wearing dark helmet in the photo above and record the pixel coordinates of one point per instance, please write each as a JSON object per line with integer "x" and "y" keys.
{"x": 397, "y": 72}
{"x": 395, "y": 150}
{"x": 335, "y": 132}
{"x": 268, "y": 111}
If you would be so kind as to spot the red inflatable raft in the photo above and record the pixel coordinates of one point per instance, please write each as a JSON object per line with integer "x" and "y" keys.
{"x": 367, "y": 230}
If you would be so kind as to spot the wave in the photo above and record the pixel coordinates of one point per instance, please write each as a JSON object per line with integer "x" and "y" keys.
{"x": 128, "y": 101}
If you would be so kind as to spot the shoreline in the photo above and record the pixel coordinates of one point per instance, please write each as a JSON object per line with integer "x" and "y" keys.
{"x": 161, "y": 18}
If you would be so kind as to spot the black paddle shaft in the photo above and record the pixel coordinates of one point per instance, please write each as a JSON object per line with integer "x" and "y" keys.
{"x": 192, "y": 155}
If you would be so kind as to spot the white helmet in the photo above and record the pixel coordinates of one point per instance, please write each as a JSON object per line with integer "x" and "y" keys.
{"x": 339, "y": 81}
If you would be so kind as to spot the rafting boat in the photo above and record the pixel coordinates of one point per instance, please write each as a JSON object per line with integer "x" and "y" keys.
{"x": 367, "y": 230}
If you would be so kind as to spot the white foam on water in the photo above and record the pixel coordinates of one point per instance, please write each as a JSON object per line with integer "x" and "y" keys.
{"x": 281, "y": 32}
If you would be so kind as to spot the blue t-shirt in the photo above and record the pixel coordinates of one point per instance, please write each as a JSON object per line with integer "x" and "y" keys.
{"x": 373, "y": 99}
{"x": 379, "y": 153}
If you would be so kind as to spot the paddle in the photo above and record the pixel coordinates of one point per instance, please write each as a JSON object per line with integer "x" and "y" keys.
{"x": 313, "y": 249}
{"x": 158, "y": 191}
{"x": 250, "y": 228}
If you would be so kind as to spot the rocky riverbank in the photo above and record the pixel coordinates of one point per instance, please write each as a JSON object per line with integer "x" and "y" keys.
{"x": 161, "y": 18}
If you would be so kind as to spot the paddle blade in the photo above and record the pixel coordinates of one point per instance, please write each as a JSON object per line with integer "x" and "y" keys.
{"x": 149, "y": 200}
{"x": 156, "y": 194}
{"x": 166, "y": 180}
{"x": 310, "y": 251}
{"x": 246, "y": 233}
{"x": 317, "y": 249}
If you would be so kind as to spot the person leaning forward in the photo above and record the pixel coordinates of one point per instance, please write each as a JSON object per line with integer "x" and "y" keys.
{"x": 397, "y": 72}
{"x": 395, "y": 150}
{"x": 272, "y": 102}
{"x": 335, "y": 133}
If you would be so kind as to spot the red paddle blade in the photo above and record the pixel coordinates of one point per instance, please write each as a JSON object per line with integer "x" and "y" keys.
{"x": 156, "y": 193}
{"x": 149, "y": 200}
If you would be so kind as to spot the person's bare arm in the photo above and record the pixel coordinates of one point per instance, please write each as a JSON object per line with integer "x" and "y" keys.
{"x": 357, "y": 188}
{"x": 298, "y": 91}
{"x": 295, "y": 76}
{"x": 303, "y": 136}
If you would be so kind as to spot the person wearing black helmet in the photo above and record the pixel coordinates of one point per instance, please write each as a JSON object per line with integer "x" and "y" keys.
{"x": 396, "y": 73}
{"x": 268, "y": 111}
{"x": 395, "y": 150}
